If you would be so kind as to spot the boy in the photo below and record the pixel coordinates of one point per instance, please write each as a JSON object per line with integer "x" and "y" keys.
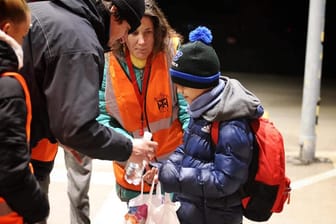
{"x": 206, "y": 177}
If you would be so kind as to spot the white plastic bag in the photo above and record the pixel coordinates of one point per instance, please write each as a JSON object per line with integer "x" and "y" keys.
{"x": 139, "y": 207}
{"x": 164, "y": 213}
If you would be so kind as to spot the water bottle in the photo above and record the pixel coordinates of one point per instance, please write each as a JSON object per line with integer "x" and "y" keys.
{"x": 134, "y": 170}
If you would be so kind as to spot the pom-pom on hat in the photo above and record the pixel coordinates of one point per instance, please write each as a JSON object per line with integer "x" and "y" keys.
{"x": 132, "y": 11}
{"x": 196, "y": 63}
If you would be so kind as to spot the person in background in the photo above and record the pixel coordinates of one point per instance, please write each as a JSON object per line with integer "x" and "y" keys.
{"x": 206, "y": 177}
{"x": 137, "y": 94}
{"x": 21, "y": 198}
{"x": 64, "y": 69}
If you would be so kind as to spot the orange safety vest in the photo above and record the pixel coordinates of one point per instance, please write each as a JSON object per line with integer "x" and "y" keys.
{"x": 7, "y": 215}
{"x": 159, "y": 112}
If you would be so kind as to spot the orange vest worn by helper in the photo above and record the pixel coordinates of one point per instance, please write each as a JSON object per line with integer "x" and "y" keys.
{"x": 156, "y": 110}
{"x": 7, "y": 215}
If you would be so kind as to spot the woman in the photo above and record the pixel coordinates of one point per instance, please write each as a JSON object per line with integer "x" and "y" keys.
{"x": 137, "y": 93}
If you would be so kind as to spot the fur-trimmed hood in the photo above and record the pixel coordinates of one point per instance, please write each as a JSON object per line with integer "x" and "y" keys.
{"x": 11, "y": 55}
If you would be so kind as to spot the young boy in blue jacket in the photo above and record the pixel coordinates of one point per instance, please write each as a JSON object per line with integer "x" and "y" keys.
{"x": 206, "y": 177}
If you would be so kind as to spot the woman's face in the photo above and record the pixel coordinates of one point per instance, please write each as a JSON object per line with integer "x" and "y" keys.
{"x": 141, "y": 42}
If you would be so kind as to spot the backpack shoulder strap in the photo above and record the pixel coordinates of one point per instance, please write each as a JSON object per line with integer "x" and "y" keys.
{"x": 214, "y": 131}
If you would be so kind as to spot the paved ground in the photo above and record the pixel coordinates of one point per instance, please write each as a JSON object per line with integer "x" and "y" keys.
{"x": 313, "y": 198}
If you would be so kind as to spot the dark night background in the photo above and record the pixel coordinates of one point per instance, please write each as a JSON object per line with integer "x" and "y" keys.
{"x": 259, "y": 36}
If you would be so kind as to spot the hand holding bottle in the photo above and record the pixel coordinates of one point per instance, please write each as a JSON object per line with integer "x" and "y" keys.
{"x": 139, "y": 159}
{"x": 143, "y": 148}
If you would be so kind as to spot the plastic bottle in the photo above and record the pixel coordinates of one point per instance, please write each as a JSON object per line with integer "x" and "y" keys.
{"x": 134, "y": 170}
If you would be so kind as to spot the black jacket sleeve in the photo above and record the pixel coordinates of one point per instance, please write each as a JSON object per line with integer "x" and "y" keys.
{"x": 64, "y": 73}
{"x": 74, "y": 107}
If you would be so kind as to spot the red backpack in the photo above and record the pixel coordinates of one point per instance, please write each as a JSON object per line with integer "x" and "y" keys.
{"x": 267, "y": 188}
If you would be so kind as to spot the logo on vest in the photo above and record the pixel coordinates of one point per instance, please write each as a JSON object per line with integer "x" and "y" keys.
{"x": 162, "y": 102}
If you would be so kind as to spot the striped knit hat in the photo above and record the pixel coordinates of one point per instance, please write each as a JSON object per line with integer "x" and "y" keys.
{"x": 196, "y": 63}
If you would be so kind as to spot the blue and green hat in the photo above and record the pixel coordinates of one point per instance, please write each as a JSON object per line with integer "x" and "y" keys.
{"x": 196, "y": 64}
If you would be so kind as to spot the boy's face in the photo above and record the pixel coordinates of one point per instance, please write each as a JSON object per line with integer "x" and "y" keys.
{"x": 190, "y": 94}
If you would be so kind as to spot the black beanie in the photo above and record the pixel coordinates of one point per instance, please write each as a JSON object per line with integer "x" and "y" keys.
{"x": 196, "y": 63}
{"x": 132, "y": 11}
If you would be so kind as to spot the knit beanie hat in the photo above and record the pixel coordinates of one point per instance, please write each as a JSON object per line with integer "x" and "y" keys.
{"x": 132, "y": 11}
{"x": 196, "y": 63}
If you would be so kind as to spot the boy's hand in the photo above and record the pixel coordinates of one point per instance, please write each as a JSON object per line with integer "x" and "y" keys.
{"x": 151, "y": 173}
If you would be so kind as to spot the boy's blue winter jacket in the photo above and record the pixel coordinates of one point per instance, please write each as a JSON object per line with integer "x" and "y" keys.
{"x": 206, "y": 177}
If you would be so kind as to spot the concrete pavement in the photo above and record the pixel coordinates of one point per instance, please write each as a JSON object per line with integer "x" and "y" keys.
{"x": 313, "y": 197}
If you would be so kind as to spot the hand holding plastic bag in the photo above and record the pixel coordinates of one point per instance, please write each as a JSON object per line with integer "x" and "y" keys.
{"x": 165, "y": 213}
{"x": 140, "y": 206}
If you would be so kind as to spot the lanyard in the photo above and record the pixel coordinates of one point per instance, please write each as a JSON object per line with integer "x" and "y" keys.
{"x": 139, "y": 94}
